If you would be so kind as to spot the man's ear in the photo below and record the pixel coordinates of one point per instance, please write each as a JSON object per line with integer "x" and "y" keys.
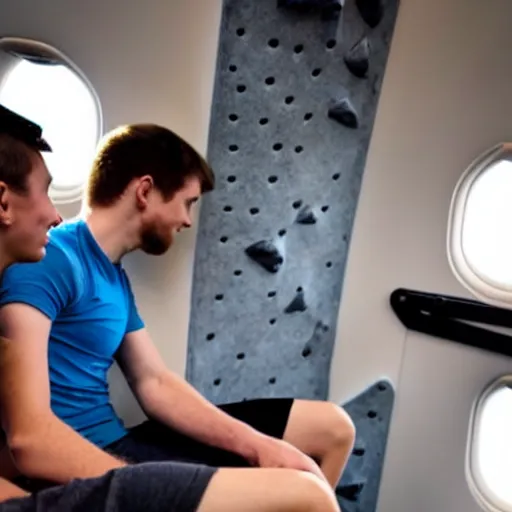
{"x": 143, "y": 188}
{"x": 5, "y": 206}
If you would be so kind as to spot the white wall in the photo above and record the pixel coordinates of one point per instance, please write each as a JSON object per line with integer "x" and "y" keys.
{"x": 445, "y": 98}
{"x": 148, "y": 61}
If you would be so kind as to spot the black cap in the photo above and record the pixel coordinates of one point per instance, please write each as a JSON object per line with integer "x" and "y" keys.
{"x": 22, "y": 129}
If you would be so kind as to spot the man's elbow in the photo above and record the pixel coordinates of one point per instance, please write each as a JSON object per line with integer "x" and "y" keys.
{"x": 26, "y": 447}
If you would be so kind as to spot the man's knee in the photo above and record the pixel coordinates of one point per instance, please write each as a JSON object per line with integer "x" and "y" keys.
{"x": 267, "y": 490}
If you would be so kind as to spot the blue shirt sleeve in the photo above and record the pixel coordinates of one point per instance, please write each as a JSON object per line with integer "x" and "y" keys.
{"x": 134, "y": 320}
{"x": 48, "y": 285}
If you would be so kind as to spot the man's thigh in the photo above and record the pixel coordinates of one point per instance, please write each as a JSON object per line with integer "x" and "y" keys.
{"x": 156, "y": 487}
{"x": 152, "y": 441}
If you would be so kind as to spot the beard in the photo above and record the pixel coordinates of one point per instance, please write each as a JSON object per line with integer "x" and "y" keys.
{"x": 153, "y": 242}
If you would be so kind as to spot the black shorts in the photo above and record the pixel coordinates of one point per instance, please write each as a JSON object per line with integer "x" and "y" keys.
{"x": 152, "y": 487}
{"x": 151, "y": 441}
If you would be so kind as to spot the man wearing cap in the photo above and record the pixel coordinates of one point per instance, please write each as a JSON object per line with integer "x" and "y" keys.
{"x": 72, "y": 314}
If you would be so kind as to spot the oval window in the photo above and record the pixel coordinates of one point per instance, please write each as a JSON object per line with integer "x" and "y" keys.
{"x": 489, "y": 461}
{"x": 479, "y": 235}
{"x": 45, "y": 86}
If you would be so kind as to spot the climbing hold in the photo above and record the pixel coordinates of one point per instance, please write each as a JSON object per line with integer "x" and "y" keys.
{"x": 351, "y": 491}
{"x": 306, "y": 216}
{"x": 266, "y": 254}
{"x": 344, "y": 113}
{"x": 297, "y": 304}
{"x": 357, "y": 58}
{"x": 371, "y": 11}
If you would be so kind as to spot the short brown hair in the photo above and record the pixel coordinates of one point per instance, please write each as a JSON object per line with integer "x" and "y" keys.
{"x": 132, "y": 151}
{"x": 16, "y": 161}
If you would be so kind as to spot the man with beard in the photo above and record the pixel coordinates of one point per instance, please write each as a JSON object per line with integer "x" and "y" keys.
{"x": 72, "y": 314}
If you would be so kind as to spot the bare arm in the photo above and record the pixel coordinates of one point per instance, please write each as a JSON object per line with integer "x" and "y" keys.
{"x": 42, "y": 445}
{"x": 9, "y": 491}
{"x": 169, "y": 399}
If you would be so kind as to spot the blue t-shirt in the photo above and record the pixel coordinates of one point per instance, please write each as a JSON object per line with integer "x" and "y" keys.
{"x": 90, "y": 303}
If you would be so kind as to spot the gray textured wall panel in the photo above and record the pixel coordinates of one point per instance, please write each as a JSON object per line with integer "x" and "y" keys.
{"x": 371, "y": 411}
{"x": 280, "y": 158}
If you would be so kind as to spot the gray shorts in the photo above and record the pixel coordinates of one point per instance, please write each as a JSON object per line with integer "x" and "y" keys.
{"x": 149, "y": 487}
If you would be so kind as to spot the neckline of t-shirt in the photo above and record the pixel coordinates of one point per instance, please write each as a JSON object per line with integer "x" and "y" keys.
{"x": 92, "y": 241}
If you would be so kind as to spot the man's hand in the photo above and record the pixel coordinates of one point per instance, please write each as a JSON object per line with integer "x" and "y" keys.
{"x": 275, "y": 453}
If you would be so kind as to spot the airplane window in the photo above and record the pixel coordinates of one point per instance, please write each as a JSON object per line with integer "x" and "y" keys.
{"x": 480, "y": 238}
{"x": 56, "y": 95}
{"x": 489, "y": 461}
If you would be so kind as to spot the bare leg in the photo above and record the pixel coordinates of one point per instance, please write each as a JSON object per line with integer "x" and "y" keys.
{"x": 267, "y": 490}
{"x": 323, "y": 431}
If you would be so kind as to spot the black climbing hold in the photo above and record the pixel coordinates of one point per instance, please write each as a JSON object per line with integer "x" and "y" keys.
{"x": 372, "y": 414}
{"x": 306, "y": 216}
{"x": 240, "y": 32}
{"x": 325, "y": 208}
{"x": 216, "y": 382}
{"x": 273, "y": 43}
{"x": 371, "y": 11}
{"x": 308, "y": 116}
{"x": 272, "y": 321}
{"x": 382, "y": 387}
{"x": 210, "y": 336}
{"x": 297, "y": 204}
{"x": 263, "y": 121}
{"x": 233, "y": 117}
{"x": 357, "y": 58}
{"x": 358, "y": 451}
{"x": 232, "y": 68}
{"x": 254, "y": 211}
{"x": 272, "y": 380}
{"x": 289, "y": 100}
{"x": 240, "y": 356}
{"x": 282, "y": 232}
{"x": 336, "y": 176}
{"x": 219, "y": 297}
{"x": 351, "y": 491}
{"x": 331, "y": 44}
{"x": 271, "y": 294}
{"x": 297, "y": 304}
{"x": 231, "y": 179}
{"x": 344, "y": 113}
{"x": 306, "y": 352}
{"x": 237, "y": 272}
{"x": 266, "y": 254}
{"x": 270, "y": 80}
{"x": 223, "y": 239}
{"x": 241, "y": 88}
{"x": 272, "y": 179}
{"x": 299, "y": 48}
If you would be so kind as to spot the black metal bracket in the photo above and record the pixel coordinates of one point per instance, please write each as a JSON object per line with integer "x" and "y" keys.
{"x": 447, "y": 317}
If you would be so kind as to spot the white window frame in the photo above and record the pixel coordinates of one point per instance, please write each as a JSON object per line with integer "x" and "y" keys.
{"x": 19, "y": 46}
{"x": 485, "y": 497}
{"x": 485, "y": 289}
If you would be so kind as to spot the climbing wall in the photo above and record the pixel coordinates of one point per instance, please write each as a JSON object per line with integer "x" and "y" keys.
{"x": 295, "y": 98}
{"x": 358, "y": 489}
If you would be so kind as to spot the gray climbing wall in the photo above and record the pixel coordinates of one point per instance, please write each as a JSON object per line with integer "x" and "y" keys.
{"x": 371, "y": 412}
{"x": 296, "y": 92}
